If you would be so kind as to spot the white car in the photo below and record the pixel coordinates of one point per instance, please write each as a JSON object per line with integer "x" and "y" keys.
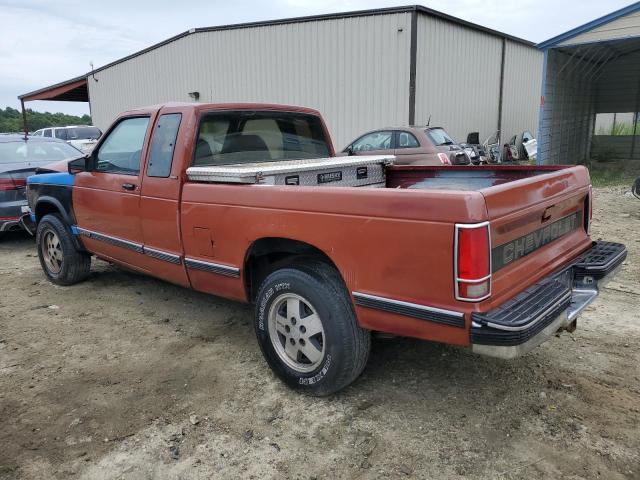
{"x": 83, "y": 137}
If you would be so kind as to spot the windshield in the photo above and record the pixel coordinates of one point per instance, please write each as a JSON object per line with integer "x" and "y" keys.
{"x": 27, "y": 151}
{"x": 439, "y": 137}
{"x": 243, "y": 137}
{"x": 82, "y": 133}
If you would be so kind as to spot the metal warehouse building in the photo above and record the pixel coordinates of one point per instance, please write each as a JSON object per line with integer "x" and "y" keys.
{"x": 362, "y": 70}
{"x": 590, "y": 70}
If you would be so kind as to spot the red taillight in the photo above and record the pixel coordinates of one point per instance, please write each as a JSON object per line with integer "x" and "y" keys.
{"x": 473, "y": 262}
{"x": 8, "y": 183}
{"x": 444, "y": 159}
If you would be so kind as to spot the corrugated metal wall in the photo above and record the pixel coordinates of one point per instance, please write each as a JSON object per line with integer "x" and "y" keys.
{"x": 457, "y": 77}
{"x": 624, "y": 27}
{"x": 568, "y": 113}
{"x": 354, "y": 70}
{"x": 521, "y": 91}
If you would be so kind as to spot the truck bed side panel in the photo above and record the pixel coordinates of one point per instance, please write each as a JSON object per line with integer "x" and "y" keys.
{"x": 376, "y": 252}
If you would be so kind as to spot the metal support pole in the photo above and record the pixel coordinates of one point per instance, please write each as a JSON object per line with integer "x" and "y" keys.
{"x": 635, "y": 123}
{"x": 24, "y": 119}
{"x": 500, "y": 98}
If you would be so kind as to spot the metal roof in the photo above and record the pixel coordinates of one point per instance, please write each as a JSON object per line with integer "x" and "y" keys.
{"x": 634, "y": 7}
{"x": 312, "y": 18}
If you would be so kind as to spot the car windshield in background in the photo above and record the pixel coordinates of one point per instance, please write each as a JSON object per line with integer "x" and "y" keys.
{"x": 21, "y": 151}
{"x": 439, "y": 137}
{"x": 81, "y": 133}
{"x": 245, "y": 137}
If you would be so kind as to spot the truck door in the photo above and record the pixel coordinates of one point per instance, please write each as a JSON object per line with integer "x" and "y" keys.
{"x": 159, "y": 202}
{"x": 106, "y": 200}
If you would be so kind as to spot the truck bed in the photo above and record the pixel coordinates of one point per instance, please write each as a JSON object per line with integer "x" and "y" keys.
{"x": 366, "y": 171}
{"x": 466, "y": 178}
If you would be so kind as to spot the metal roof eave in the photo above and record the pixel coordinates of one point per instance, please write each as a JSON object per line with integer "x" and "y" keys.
{"x": 634, "y": 7}
{"x": 55, "y": 89}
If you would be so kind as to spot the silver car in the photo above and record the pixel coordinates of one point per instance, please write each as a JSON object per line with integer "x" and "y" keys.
{"x": 19, "y": 158}
{"x": 83, "y": 137}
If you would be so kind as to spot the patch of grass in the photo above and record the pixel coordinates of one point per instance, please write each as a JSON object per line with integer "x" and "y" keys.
{"x": 620, "y": 128}
{"x": 607, "y": 177}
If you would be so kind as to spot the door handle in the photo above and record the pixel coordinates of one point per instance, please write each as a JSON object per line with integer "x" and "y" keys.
{"x": 128, "y": 186}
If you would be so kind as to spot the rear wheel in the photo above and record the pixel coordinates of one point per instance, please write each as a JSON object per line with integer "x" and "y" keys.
{"x": 307, "y": 329}
{"x": 61, "y": 262}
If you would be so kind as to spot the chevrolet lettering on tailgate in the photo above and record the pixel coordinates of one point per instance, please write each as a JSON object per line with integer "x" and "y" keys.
{"x": 504, "y": 254}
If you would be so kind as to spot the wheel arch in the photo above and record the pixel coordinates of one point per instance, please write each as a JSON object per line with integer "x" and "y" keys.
{"x": 47, "y": 205}
{"x": 270, "y": 253}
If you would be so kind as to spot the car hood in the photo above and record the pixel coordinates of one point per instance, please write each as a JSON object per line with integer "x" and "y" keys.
{"x": 59, "y": 166}
{"x": 9, "y": 167}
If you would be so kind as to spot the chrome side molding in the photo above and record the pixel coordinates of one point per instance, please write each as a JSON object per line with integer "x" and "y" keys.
{"x": 225, "y": 270}
{"x": 408, "y": 309}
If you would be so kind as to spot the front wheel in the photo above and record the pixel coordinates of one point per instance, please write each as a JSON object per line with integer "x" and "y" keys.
{"x": 307, "y": 329}
{"x": 60, "y": 261}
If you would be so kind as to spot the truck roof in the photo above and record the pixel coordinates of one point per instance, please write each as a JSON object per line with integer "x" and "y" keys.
{"x": 197, "y": 106}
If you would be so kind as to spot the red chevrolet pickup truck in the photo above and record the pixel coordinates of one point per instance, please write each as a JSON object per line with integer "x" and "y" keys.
{"x": 249, "y": 202}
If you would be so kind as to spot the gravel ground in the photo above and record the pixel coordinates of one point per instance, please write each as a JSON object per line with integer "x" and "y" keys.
{"x": 124, "y": 376}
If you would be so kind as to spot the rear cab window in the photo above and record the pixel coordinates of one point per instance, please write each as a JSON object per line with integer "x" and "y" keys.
{"x": 233, "y": 137}
{"x": 163, "y": 144}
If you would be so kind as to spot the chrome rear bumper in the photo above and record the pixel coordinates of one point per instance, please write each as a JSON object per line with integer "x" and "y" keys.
{"x": 554, "y": 303}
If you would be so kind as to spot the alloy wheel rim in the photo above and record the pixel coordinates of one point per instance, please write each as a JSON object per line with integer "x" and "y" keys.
{"x": 296, "y": 332}
{"x": 52, "y": 252}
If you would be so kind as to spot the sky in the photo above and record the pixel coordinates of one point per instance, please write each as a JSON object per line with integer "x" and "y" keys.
{"x": 44, "y": 42}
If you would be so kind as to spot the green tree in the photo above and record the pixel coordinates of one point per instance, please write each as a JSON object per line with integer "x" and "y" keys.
{"x": 11, "y": 120}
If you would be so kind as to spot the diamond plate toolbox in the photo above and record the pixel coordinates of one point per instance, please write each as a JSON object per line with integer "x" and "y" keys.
{"x": 356, "y": 171}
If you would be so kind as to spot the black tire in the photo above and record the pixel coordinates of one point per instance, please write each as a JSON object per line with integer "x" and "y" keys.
{"x": 74, "y": 265}
{"x": 346, "y": 345}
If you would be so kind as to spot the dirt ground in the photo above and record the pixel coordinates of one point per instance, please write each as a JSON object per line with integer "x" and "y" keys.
{"x": 124, "y": 376}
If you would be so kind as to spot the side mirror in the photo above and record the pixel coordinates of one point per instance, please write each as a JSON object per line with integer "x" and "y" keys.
{"x": 82, "y": 164}
{"x": 349, "y": 150}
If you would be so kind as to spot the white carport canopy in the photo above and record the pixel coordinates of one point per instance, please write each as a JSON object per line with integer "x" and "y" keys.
{"x": 589, "y": 70}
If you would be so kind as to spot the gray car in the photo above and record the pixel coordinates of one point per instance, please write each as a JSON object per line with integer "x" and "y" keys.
{"x": 19, "y": 158}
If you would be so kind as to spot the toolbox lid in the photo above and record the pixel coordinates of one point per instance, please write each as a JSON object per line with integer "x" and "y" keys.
{"x": 255, "y": 172}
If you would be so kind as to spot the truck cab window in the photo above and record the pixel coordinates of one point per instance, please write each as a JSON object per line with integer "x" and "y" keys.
{"x": 121, "y": 150}
{"x": 238, "y": 137}
{"x": 163, "y": 145}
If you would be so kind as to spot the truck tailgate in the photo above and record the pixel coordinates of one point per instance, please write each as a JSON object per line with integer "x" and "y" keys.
{"x": 537, "y": 224}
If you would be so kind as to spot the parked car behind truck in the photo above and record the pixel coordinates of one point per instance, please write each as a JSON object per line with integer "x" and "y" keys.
{"x": 19, "y": 158}
{"x": 82, "y": 137}
{"x": 411, "y": 146}
{"x": 248, "y": 202}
